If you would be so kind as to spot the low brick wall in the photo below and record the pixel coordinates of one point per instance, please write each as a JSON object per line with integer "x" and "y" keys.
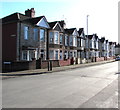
{"x": 19, "y": 66}
{"x": 110, "y": 58}
{"x": 64, "y": 62}
{"x": 55, "y": 63}
{"x": 100, "y": 59}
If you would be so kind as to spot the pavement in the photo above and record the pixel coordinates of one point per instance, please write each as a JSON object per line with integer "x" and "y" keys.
{"x": 54, "y": 69}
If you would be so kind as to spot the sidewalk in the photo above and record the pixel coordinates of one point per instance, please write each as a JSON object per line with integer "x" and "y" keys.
{"x": 54, "y": 69}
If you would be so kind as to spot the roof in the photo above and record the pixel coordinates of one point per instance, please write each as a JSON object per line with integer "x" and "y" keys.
{"x": 80, "y": 31}
{"x": 14, "y": 17}
{"x": 69, "y": 31}
{"x": 106, "y": 41}
{"x": 52, "y": 24}
{"x": 21, "y": 17}
{"x": 62, "y": 22}
{"x": 102, "y": 39}
{"x": 90, "y": 36}
{"x": 117, "y": 46}
{"x": 33, "y": 20}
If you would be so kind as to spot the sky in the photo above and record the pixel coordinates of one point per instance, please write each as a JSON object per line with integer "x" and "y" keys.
{"x": 103, "y": 14}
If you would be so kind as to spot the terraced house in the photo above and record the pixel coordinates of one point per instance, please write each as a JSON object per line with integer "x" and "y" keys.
{"x": 56, "y": 41}
{"x": 27, "y": 38}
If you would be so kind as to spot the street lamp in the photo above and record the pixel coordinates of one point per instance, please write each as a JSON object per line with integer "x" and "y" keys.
{"x": 87, "y": 25}
{"x": 87, "y": 38}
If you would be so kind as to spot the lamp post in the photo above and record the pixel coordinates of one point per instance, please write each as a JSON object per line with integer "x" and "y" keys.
{"x": 87, "y": 25}
{"x": 87, "y": 39}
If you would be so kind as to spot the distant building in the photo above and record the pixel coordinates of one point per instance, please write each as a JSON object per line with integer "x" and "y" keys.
{"x": 117, "y": 49}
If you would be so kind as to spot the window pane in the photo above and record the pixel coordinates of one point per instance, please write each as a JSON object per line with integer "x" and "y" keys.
{"x": 61, "y": 55}
{"x": 35, "y": 34}
{"x": 26, "y": 32}
{"x": 42, "y": 34}
{"x": 56, "y": 37}
{"x": 66, "y": 40}
{"x": 51, "y": 36}
{"x": 61, "y": 37}
{"x": 24, "y": 55}
{"x": 71, "y": 41}
{"x": 51, "y": 54}
{"x": 56, "y": 54}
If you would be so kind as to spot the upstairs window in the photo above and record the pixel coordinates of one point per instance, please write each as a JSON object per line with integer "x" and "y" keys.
{"x": 75, "y": 41}
{"x": 35, "y": 30}
{"x": 61, "y": 39}
{"x": 66, "y": 40}
{"x": 26, "y": 33}
{"x": 42, "y": 35}
{"x": 78, "y": 42}
{"x": 56, "y": 37}
{"x": 71, "y": 41}
{"x": 51, "y": 37}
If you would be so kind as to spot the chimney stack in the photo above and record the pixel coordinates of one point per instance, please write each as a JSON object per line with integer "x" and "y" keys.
{"x": 30, "y": 13}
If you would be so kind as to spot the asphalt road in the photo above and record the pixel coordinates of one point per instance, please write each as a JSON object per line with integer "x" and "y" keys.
{"x": 90, "y": 87}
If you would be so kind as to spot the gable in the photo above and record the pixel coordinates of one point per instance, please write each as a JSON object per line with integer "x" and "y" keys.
{"x": 58, "y": 27}
{"x": 75, "y": 33}
{"x": 43, "y": 23}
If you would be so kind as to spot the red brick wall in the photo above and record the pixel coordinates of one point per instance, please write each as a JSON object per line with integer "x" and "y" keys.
{"x": 64, "y": 62}
{"x": 110, "y": 58}
{"x": 9, "y": 45}
{"x": 100, "y": 59}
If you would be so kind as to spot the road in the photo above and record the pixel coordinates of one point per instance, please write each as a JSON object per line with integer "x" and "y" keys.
{"x": 89, "y": 87}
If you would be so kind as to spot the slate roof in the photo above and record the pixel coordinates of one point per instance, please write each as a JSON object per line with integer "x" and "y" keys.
{"x": 80, "y": 31}
{"x": 102, "y": 39}
{"x": 69, "y": 31}
{"x": 14, "y": 17}
{"x": 52, "y": 24}
{"x": 90, "y": 36}
{"x": 21, "y": 17}
{"x": 33, "y": 20}
{"x": 117, "y": 46}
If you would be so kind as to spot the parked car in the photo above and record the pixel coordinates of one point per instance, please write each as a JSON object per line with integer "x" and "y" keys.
{"x": 117, "y": 58}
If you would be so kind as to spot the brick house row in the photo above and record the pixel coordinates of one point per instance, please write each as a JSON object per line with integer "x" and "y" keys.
{"x": 26, "y": 37}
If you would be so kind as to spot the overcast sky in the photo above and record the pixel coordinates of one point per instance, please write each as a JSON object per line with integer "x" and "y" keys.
{"x": 103, "y": 14}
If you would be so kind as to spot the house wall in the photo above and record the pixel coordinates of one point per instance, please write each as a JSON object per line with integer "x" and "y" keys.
{"x": 9, "y": 41}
